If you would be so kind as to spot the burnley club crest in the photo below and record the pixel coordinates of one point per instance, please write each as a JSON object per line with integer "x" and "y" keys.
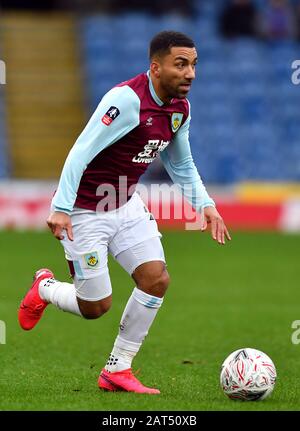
{"x": 176, "y": 120}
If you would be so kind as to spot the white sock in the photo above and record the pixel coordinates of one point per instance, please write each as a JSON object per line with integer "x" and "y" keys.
{"x": 136, "y": 320}
{"x": 62, "y": 295}
{"x": 120, "y": 357}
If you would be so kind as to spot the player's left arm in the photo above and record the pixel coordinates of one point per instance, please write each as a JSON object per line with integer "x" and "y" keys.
{"x": 179, "y": 164}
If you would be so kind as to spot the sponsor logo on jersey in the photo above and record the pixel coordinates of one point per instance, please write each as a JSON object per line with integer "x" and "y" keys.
{"x": 110, "y": 115}
{"x": 151, "y": 149}
{"x": 176, "y": 120}
{"x": 91, "y": 259}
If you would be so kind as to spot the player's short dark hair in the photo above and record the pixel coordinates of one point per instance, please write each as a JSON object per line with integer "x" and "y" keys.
{"x": 162, "y": 43}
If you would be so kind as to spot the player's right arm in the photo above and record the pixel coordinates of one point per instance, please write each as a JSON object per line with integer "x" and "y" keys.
{"x": 96, "y": 136}
{"x": 178, "y": 161}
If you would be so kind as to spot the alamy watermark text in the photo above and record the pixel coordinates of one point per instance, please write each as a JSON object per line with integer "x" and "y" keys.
{"x": 296, "y": 74}
{"x": 2, "y": 72}
{"x": 2, "y": 332}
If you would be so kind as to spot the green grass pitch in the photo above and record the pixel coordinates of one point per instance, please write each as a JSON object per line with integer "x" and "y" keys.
{"x": 245, "y": 294}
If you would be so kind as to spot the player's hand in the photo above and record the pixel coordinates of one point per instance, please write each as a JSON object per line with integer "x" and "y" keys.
{"x": 59, "y": 221}
{"x": 218, "y": 229}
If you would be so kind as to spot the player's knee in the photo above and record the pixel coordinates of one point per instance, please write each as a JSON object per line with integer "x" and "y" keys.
{"x": 163, "y": 281}
{"x": 95, "y": 312}
{"x": 158, "y": 284}
{"x": 90, "y": 314}
{"x": 152, "y": 278}
{"x": 95, "y": 309}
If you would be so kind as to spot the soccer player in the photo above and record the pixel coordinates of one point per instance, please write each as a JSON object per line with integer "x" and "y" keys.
{"x": 95, "y": 210}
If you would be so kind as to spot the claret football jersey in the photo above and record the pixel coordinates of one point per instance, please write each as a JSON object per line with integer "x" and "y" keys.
{"x": 129, "y": 129}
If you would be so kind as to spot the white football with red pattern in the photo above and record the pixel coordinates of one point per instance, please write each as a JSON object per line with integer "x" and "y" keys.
{"x": 248, "y": 374}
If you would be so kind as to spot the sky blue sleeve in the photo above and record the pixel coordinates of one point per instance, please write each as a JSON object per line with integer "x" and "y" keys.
{"x": 95, "y": 137}
{"x": 178, "y": 162}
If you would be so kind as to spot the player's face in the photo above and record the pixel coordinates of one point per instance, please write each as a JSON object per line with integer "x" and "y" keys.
{"x": 176, "y": 72}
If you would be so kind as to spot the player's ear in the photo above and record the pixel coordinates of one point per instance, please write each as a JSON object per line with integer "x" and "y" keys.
{"x": 155, "y": 68}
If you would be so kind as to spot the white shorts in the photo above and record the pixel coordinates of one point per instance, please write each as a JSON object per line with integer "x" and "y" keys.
{"x": 129, "y": 233}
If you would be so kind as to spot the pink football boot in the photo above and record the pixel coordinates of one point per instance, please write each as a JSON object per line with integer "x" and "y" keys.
{"x": 33, "y": 306}
{"x": 123, "y": 381}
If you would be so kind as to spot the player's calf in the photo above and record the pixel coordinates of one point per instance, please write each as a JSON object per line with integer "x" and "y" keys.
{"x": 94, "y": 309}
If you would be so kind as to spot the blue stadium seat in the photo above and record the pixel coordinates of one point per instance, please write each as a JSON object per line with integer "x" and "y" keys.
{"x": 177, "y": 23}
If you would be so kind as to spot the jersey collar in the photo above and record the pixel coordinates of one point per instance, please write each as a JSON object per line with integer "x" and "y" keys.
{"x": 152, "y": 91}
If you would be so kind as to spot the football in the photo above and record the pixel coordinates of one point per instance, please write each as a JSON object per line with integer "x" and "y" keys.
{"x": 248, "y": 374}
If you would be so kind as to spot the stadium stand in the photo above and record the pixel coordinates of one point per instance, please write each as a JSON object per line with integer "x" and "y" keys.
{"x": 244, "y": 106}
{"x": 43, "y": 92}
